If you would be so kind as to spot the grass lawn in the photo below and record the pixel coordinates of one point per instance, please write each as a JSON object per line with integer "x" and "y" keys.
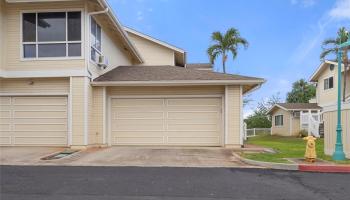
{"x": 286, "y": 147}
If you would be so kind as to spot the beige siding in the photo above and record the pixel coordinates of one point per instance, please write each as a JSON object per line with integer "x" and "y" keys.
{"x": 35, "y": 85}
{"x": 78, "y": 86}
{"x": 187, "y": 90}
{"x": 12, "y": 55}
{"x": 281, "y": 130}
{"x": 152, "y": 53}
{"x": 330, "y": 124}
{"x": 111, "y": 47}
{"x": 96, "y": 125}
{"x": 2, "y": 33}
{"x": 233, "y": 95}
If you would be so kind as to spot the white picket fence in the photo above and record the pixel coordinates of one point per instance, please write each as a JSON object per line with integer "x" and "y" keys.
{"x": 310, "y": 122}
{"x": 255, "y": 131}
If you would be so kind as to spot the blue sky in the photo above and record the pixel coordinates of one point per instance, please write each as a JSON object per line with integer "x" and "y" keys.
{"x": 284, "y": 35}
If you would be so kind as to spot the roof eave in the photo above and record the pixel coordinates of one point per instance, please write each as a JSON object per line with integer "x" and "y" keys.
{"x": 177, "y": 83}
{"x": 120, "y": 28}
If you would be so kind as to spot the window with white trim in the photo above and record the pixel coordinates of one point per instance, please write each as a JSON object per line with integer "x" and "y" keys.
{"x": 95, "y": 40}
{"x": 328, "y": 83}
{"x": 279, "y": 120}
{"x": 51, "y": 34}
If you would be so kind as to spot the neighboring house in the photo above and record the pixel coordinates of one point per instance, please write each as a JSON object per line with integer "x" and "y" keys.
{"x": 200, "y": 66}
{"x": 287, "y": 118}
{"x": 326, "y": 79}
{"x": 71, "y": 75}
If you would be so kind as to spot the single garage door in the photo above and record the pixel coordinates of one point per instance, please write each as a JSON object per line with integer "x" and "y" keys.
{"x": 166, "y": 121}
{"x": 33, "y": 121}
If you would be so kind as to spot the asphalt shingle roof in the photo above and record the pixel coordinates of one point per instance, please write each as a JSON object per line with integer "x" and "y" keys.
{"x": 166, "y": 73}
{"x": 299, "y": 106}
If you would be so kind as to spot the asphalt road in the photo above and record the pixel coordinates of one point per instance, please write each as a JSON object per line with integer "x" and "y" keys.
{"x": 131, "y": 183}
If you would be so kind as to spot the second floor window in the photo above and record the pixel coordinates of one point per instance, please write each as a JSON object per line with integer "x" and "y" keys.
{"x": 328, "y": 83}
{"x": 279, "y": 120}
{"x": 95, "y": 40}
{"x": 51, "y": 34}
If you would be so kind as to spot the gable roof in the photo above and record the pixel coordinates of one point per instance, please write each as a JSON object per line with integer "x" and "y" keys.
{"x": 319, "y": 70}
{"x": 295, "y": 106}
{"x": 171, "y": 75}
{"x": 162, "y": 43}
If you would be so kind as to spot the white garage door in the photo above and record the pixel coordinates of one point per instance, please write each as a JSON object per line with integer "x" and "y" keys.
{"x": 33, "y": 121}
{"x": 166, "y": 121}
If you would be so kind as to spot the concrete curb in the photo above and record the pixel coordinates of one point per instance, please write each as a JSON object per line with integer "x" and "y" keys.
{"x": 282, "y": 166}
{"x": 297, "y": 167}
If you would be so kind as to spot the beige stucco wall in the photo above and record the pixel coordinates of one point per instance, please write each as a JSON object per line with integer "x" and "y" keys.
{"x": 152, "y": 53}
{"x": 12, "y": 59}
{"x": 35, "y": 86}
{"x": 330, "y": 124}
{"x": 281, "y": 130}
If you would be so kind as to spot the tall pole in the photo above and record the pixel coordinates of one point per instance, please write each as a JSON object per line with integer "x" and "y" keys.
{"x": 339, "y": 152}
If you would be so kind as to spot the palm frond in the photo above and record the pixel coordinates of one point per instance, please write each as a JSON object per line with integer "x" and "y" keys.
{"x": 329, "y": 41}
{"x": 217, "y": 36}
{"x": 213, "y": 52}
{"x": 326, "y": 52}
{"x": 234, "y": 52}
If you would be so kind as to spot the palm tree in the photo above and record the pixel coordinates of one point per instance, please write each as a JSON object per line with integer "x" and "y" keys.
{"x": 225, "y": 43}
{"x": 330, "y": 46}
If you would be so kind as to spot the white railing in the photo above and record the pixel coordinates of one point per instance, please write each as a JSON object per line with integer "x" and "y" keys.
{"x": 256, "y": 131}
{"x": 311, "y": 122}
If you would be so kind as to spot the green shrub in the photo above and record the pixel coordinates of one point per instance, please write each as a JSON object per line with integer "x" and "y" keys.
{"x": 303, "y": 133}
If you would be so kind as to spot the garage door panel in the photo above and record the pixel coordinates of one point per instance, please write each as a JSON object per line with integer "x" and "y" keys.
{"x": 39, "y": 127}
{"x": 194, "y": 108}
{"x": 194, "y": 102}
{"x": 5, "y": 101}
{"x": 4, "y": 114}
{"x": 138, "y": 115}
{"x": 193, "y": 127}
{"x": 138, "y": 140}
{"x": 40, "y": 140}
{"x": 39, "y": 101}
{"x": 168, "y": 121}
{"x": 40, "y": 114}
{"x": 194, "y": 140}
{"x": 139, "y": 133}
{"x": 193, "y": 115}
{"x": 39, "y": 107}
{"x": 137, "y": 102}
{"x": 5, "y": 139}
{"x": 5, "y": 126}
{"x": 34, "y": 121}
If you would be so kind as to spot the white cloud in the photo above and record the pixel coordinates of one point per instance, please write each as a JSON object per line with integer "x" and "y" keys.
{"x": 139, "y": 15}
{"x": 341, "y": 10}
{"x": 247, "y": 112}
{"x": 303, "y": 3}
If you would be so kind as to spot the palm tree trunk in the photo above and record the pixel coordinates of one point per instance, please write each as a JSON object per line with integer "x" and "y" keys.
{"x": 345, "y": 61}
{"x": 224, "y": 63}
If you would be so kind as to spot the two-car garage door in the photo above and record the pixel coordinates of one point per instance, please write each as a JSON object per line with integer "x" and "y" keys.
{"x": 166, "y": 121}
{"x": 33, "y": 121}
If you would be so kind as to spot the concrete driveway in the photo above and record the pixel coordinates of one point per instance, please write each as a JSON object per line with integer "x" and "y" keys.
{"x": 25, "y": 155}
{"x": 126, "y": 156}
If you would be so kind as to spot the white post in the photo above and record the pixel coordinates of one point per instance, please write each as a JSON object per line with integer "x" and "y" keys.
{"x": 308, "y": 122}
{"x": 254, "y": 131}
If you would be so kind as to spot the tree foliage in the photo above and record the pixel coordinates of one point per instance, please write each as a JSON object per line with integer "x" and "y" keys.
{"x": 223, "y": 43}
{"x": 330, "y": 47}
{"x": 302, "y": 92}
{"x": 260, "y": 119}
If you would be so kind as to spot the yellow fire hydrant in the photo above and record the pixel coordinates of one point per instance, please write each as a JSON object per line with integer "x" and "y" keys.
{"x": 310, "y": 151}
